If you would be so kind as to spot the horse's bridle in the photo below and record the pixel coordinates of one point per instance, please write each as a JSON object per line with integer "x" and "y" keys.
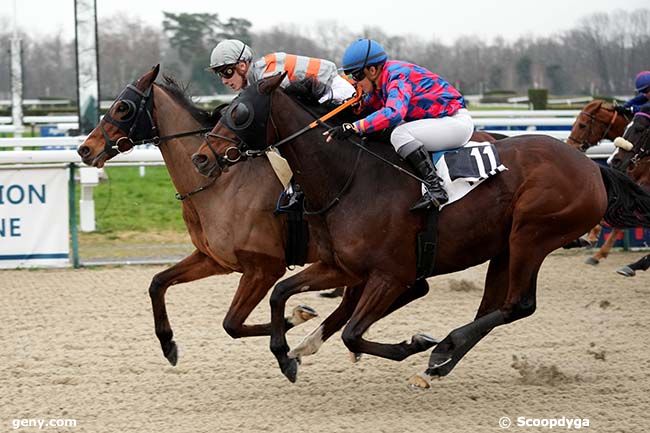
{"x": 584, "y": 144}
{"x": 139, "y": 103}
{"x": 133, "y": 97}
{"x": 226, "y": 160}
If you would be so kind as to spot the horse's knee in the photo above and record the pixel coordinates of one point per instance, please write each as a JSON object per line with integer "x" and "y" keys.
{"x": 231, "y": 327}
{"x": 279, "y": 294}
{"x": 157, "y": 284}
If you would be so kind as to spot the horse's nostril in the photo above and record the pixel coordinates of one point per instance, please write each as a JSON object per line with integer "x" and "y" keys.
{"x": 83, "y": 151}
{"x": 199, "y": 159}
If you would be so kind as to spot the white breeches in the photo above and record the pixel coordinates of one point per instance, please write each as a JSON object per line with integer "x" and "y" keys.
{"x": 434, "y": 134}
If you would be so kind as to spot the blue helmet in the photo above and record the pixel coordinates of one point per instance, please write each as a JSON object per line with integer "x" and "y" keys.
{"x": 362, "y": 53}
{"x": 642, "y": 82}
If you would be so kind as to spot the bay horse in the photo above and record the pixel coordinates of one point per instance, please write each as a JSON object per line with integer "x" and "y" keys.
{"x": 598, "y": 121}
{"x": 230, "y": 222}
{"x": 362, "y": 206}
{"x": 632, "y": 156}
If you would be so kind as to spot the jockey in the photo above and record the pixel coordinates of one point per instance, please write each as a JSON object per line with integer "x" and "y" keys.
{"x": 429, "y": 113}
{"x": 642, "y": 88}
{"x": 233, "y": 61}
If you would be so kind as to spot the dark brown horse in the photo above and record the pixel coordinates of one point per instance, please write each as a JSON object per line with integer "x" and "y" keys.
{"x": 632, "y": 156}
{"x": 362, "y": 206}
{"x": 598, "y": 121}
{"x": 231, "y": 222}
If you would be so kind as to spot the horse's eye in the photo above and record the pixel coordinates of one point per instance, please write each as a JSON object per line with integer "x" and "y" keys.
{"x": 582, "y": 126}
{"x": 123, "y": 108}
{"x": 240, "y": 115}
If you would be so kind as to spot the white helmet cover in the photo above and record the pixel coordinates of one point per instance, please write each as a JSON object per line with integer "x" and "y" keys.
{"x": 229, "y": 52}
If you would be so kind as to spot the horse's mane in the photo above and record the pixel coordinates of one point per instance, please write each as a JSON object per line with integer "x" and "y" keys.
{"x": 179, "y": 94}
{"x": 304, "y": 96}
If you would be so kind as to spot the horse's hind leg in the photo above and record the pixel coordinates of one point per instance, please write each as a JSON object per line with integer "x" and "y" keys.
{"x": 193, "y": 267}
{"x": 382, "y": 295}
{"x": 338, "y": 318}
{"x": 604, "y": 251}
{"x": 594, "y": 234}
{"x": 260, "y": 273}
{"x": 496, "y": 289}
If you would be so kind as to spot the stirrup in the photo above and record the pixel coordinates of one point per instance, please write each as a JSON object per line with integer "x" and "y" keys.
{"x": 426, "y": 202}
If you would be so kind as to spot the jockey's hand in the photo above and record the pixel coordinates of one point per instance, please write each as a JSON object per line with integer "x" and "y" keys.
{"x": 340, "y": 132}
{"x": 623, "y": 111}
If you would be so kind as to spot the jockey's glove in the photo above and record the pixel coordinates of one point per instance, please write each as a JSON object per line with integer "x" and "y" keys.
{"x": 341, "y": 132}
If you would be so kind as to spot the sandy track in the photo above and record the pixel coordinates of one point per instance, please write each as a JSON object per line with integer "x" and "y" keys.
{"x": 80, "y": 344}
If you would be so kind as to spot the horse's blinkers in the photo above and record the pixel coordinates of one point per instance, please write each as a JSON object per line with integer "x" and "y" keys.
{"x": 136, "y": 125}
{"x": 247, "y": 117}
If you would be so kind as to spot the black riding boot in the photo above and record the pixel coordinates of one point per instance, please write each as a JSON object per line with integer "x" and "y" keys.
{"x": 436, "y": 194}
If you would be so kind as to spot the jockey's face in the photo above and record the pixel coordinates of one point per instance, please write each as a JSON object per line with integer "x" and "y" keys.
{"x": 238, "y": 80}
{"x": 371, "y": 76}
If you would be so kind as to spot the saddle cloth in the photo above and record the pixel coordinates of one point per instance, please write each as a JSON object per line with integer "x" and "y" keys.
{"x": 464, "y": 168}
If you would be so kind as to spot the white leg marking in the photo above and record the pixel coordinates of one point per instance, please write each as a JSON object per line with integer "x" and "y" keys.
{"x": 309, "y": 345}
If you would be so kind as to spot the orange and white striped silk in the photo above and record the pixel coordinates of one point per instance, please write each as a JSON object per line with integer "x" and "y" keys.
{"x": 297, "y": 68}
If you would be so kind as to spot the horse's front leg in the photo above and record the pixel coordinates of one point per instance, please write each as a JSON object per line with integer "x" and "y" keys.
{"x": 318, "y": 276}
{"x": 193, "y": 267}
{"x": 260, "y": 273}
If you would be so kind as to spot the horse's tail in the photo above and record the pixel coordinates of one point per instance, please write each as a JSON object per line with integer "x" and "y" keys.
{"x": 628, "y": 205}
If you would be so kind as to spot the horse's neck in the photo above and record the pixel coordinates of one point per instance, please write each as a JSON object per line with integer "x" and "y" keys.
{"x": 323, "y": 169}
{"x": 320, "y": 168}
{"x": 618, "y": 127}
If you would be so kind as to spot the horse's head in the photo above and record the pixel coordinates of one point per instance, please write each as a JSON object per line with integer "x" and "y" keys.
{"x": 244, "y": 129}
{"x": 129, "y": 119}
{"x": 635, "y": 144}
{"x": 597, "y": 120}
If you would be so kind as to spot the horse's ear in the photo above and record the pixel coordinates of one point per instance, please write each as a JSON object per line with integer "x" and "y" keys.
{"x": 148, "y": 78}
{"x": 272, "y": 83}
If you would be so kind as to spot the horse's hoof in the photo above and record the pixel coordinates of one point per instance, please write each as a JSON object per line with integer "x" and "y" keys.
{"x": 418, "y": 382}
{"x": 626, "y": 271}
{"x": 172, "y": 353}
{"x": 354, "y": 357}
{"x": 592, "y": 261}
{"x": 436, "y": 362}
{"x": 424, "y": 341}
{"x": 302, "y": 313}
{"x": 290, "y": 369}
